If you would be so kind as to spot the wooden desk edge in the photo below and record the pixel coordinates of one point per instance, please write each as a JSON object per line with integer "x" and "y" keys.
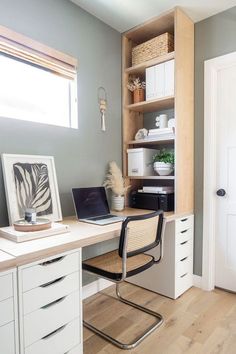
{"x": 15, "y": 260}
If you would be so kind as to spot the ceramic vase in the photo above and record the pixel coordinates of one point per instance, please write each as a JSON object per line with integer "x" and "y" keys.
{"x": 118, "y": 202}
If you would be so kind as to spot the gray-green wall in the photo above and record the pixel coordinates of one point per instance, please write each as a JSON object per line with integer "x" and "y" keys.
{"x": 214, "y": 36}
{"x": 81, "y": 156}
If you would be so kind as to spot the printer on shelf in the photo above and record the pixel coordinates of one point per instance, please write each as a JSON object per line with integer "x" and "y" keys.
{"x": 163, "y": 200}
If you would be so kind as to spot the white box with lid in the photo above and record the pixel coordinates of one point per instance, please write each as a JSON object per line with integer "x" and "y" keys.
{"x": 140, "y": 161}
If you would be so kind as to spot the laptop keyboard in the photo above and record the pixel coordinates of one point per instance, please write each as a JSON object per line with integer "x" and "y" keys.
{"x": 96, "y": 218}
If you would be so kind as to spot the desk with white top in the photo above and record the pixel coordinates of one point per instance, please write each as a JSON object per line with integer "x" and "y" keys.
{"x": 44, "y": 277}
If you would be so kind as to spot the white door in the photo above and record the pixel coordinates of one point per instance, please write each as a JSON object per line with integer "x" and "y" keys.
{"x": 225, "y": 228}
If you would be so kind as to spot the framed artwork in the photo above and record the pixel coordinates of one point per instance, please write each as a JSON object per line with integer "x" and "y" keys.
{"x": 31, "y": 182}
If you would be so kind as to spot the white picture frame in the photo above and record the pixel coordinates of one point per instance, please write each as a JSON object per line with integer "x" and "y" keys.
{"x": 30, "y": 182}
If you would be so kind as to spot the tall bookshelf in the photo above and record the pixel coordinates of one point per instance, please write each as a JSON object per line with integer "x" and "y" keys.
{"x": 180, "y": 25}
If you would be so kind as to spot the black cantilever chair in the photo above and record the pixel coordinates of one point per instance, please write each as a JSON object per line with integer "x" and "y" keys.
{"x": 138, "y": 235}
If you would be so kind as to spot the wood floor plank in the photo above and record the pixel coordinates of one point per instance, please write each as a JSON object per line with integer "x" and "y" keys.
{"x": 198, "y": 322}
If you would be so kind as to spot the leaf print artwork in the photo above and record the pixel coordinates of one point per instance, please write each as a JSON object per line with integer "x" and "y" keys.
{"x": 32, "y": 188}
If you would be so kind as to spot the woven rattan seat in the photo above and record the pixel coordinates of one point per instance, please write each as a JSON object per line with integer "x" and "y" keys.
{"x": 110, "y": 264}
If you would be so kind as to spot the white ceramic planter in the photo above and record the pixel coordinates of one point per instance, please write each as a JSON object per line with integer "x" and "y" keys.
{"x": 117, "y": 202}
{"x": 163, "y": 169}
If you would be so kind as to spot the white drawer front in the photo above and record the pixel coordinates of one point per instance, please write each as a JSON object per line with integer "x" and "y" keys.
{"x": 54, "y": 268}
{"x": 6, "y": 286}
{"x": 184, "y": 223}
{"x": 184, "y": 266}
{"x": 183, "y": 283}
{"x": 59, "y": 342}
{"x": 40, "y": 323}
{"x": 7, "y": 339}
{"x": 6, "y": 311}
{"x": 49, "y": 292}
{"x": 76, "y": 350}
{"x": 184, "y": 249}
{"x": 184, "y": 235}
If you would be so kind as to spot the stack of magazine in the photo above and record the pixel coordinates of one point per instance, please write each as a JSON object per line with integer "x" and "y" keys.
{"x": 161, "y": 134}
{"x": 18, "y": 236}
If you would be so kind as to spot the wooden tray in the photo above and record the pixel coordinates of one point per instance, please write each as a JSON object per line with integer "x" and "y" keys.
{"x": 25, "y": 226}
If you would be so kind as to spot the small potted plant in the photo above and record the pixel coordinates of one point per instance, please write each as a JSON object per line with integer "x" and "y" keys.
{"x": 115, "y": 182}
{"x": 136, "y": 86}
{"x": 163, "y": 162}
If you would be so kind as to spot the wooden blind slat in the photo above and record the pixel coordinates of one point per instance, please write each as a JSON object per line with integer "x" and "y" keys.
{"x": 24, "y": 48}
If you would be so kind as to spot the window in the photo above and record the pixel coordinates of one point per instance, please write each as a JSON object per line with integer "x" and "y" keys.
{"x": 37, "y": 86}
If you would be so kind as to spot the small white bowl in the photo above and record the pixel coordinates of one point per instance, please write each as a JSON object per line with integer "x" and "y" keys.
{"x": 163, "y": 169}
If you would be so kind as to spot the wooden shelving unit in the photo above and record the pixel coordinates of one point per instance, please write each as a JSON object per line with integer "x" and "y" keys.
{"x": 179, "y": 24}
{"x": 145, "y": 142}
{"x": 139, "y": 69}
{"x": 153, "y": 177}
{"x": 152, "y": 105}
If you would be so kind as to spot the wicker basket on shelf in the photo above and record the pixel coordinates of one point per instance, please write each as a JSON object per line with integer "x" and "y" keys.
{"x": 153, "y": 48}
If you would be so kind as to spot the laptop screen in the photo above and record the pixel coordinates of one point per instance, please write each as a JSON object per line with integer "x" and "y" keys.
{"x": 90, "y": 202}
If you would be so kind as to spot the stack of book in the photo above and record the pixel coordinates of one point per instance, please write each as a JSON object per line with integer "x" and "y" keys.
{"x": 161, "y": 134}
{"x": 157, "y": 190}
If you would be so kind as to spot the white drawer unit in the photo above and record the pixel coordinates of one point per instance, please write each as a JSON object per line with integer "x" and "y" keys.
{"x": 48, "y": 270}
{"x": 50, "y": 299}
{"x": 174, "y": 275}
{"x": 9, "y": 343}
{"x": 59, "y": 341}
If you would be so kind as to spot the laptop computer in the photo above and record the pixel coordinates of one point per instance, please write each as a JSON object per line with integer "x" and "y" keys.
{"x": 91, "y": 206}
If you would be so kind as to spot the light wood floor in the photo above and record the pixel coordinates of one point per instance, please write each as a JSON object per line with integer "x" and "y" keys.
{"x": 198, "y": 322}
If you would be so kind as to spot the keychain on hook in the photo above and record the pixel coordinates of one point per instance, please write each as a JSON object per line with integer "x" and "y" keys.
{"x": 102, "y": 100}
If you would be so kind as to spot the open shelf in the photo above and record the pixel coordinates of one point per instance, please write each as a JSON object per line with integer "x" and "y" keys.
{"x": 152, "y": 105}
{"x": 152, "y": 177}
{"x": 151, "y": 141}
{"x": 139, "y": 69}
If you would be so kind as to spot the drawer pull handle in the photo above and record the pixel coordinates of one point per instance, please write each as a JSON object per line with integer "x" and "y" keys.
{"x": 183, "y": 243}
{"x": 55, "y": 260}
{"x": 184, "y": 275}
{"x": 54, "y": 332}
{"x": 183, "y": 220}
{"x": 183, "y": 232}
{"x": 53, "y": 303}
{"x": 183, "y": 259}
{"x": 52, "y": 282}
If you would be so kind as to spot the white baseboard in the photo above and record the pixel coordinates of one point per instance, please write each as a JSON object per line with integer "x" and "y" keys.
{"x": 94, "y": 287}
{"x": 197, "y": 281}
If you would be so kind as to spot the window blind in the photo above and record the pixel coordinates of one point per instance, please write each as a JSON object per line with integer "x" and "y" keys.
{"x": 26, "y": 49}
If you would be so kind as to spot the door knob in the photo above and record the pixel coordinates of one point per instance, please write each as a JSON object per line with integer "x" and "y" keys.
{"x": 221, "y": 192}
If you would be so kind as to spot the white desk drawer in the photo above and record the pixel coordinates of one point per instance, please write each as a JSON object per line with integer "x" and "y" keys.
{"x": 49, "y": 292}
{"x": 40, "y": 323}
{"x": 184, "y": 249}
{"x": 6, "y": 286}
{"x": 184, "y": 223}
{"x": 184, "y": 266}
{"x": 51, "y": 269}
{"x": 7, "y": 339}
{"x": 184, "y": 235}
{"x": 6, "y": 311}
{"x": 59, "y": 342}
{"x": 183, "y": 282}
{"x": 76, "y": 350}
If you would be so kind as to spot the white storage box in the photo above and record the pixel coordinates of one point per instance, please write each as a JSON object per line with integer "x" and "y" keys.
{"x": 140, "y": 161}
{"x": 160, "y": 80}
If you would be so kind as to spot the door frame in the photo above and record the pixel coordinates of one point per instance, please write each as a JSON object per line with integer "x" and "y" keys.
{"x": 211, "y": 67}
